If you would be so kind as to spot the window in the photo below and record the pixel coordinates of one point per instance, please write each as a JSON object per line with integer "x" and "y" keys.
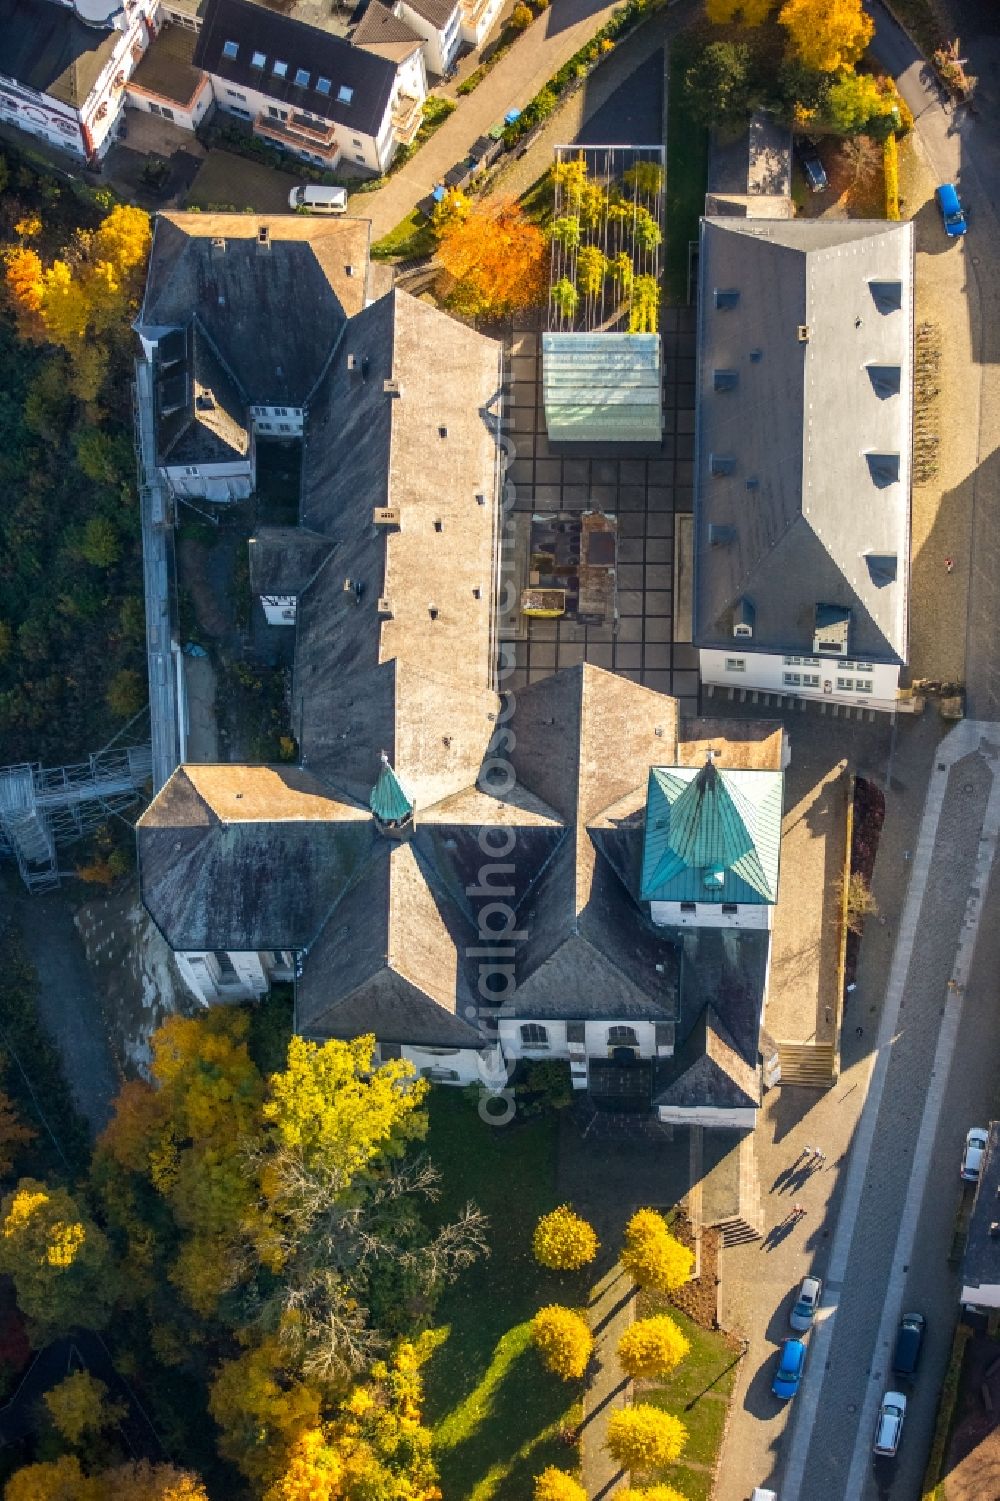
{"x": 862, "y": 685}
{"x": 534, "y": 1036}
{"x": 323, "y": 85}
{"x": 792, "y": 661}
{"x": 845, "y": 685}
{"x": 810, "y": 680}
{"x": 274, "y": 113}
{"x": 265, "y": 427}
{"x": 358, "y": 157}
{"x": 355, "y": 141}
{"x": 792, "y": 679}
{"x": 736, "y": 664}
{"x": 258, "y": 60}
{"x": 730, "y": 909}
{"x": 284, "y": 427}
{"x": 689, "y": 906}
{"x": 302, "y": 77}
{"x": 237, "y": 109}
{"x": 344, "y": 94}
{"x": 863, "y": 666}
{"x": 622, "y": 1037}
{"x": 281, "y": 411}
{"x": 232, "y": 94}
{"x": 280, "y": 69}
{"x": 191, "y": 471}
{"x": 231, "y": 49}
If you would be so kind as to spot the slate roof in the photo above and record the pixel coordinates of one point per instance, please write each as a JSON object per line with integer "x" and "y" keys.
{"x": 211, "y": 426}
{"x": 706, "y": 1070}
{"x": 49, "y": 49}
{"x": 416, "y": 683}
{"x": 793, "y": 512}
{"x": 321, "y": 54}
{"x": 284, "y": 558}
{"x": 712, "y": 835}
{"x": 212, "y": 266}
{"x": 380, "y": 27}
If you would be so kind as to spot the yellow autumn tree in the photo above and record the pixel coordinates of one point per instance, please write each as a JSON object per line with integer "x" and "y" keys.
{"x": 556, "y": 1485}
{"x": 312, "y": 1471}
{"x": 656, "y": 1259}
{"x": 263, "y": 1410}
{"x": 79, "y": 1405}
{"x": 826, "y": 35}
{"x": 644, "y": 1437}
{"x": 564, "y": 1241}
{"x": 652, "y": 1347}
{"x": 563, "y": 1340}
{"x": 497, "y": 258}
{"x": 58, "y": 1480}
{"x": 750, "y": 12}
{"x": 650, "y": 1493}
{"x": 59, "y": 1261}
{"x": 383, "y": 1446}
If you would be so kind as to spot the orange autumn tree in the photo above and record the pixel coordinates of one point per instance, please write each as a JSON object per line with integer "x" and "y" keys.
{"x": 826, "y": 35}
{"x": 86, "y": 293}
{"x": 498, "y": 259}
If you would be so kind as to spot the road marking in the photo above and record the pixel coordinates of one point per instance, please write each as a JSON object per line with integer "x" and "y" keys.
{"x": 947, "y": 1037}
{"x": 963, "y": 739}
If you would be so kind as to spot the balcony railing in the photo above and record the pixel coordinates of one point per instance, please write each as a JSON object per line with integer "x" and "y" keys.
{"x": 300, "y": 134}
{"x": 407, "y": 117}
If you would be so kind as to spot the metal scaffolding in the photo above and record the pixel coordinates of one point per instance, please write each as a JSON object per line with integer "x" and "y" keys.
{"x": 43, "y": 809}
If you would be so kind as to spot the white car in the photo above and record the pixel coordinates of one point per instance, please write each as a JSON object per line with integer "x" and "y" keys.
{"x": 972, "y": 1157}
{"x": 806, "y": 1304}
{"x": 317, "y": 200}
{"x": 889, "y": 1427}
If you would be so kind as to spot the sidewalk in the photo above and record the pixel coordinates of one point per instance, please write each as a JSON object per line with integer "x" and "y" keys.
{"x": 559, "y": 32}
{"x": 611, "y": 1312}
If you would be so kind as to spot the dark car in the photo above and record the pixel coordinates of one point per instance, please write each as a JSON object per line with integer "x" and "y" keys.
{"x": 909, "y": 1343}
{"x": 812, "y": 168}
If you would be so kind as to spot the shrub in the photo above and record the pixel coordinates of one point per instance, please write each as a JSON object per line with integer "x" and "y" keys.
{"x": 652, "y": 1347}
{"x": 521, "y": 17}
{"x": 644, "y": 1438}
{"x": 563, "y": 1340}
{"x": 564, "y": 1241}
{"x": 126, "y": 693}
{"x": 656, "y": 1259}
{"x": 556, "y": 1485}
{"x": 891, "y": 159}
{"x": 720, "y": 84}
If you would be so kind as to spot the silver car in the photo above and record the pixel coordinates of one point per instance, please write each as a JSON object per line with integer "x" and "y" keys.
{"x": 806, "y": 1304}
{"x": 889, "y": 1427}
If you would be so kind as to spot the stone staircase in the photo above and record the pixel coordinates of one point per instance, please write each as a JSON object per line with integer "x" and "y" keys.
{"x": 748, "y": 1225}
{"x": 813, "y": 1065}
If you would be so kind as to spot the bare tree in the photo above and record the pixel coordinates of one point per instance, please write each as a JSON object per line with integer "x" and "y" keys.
{"x": 862, "y": 156}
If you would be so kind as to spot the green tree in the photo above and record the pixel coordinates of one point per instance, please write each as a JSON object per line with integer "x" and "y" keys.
{"x": 104, "y": 458}
{"x": 521, "y": 17}
{"x": 79, "y": 1405}
{"x": 126, "y": 693}
{"x": 720, "y": 84}
{"x": 48, "y": 405}
{"x": 852, "y": 102}
{"x": 99, "y": 544}
{"x": 59, "y": 1261}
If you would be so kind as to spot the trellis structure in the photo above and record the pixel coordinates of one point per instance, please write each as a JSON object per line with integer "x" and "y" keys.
{"x": 45, "y": 808}
{"x": 607, "y": 230}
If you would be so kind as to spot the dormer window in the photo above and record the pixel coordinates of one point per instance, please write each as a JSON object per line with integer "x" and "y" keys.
{"x": 883, "y": 468}
{"x": 258, "y": 60}
{"x": 832, "y": 627}
{"x": 344, "y": 94}
{"x": 279, "y": 69}
{"x": 743, "y": 618}
{"x": 713, "y": 877}
{"x": 231, "y": 50}
{"x": 302, "y": 78}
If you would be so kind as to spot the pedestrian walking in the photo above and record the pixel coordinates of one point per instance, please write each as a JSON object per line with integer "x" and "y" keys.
{"x": 820, "y": 1155}
{"x": 798, "y": 1210}
{"x": 949, "y": 565}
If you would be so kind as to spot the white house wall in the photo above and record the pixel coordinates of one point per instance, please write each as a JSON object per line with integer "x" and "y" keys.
{"x": 595, "y": 1044}
{"x": 156, "y": 104}
{"x": 771, "y": 674}
{"x": 220, "y": 482}
{"x": 710, "y": 915}
{"x": 706, "y": 1115}
{"x": 247, "y": 103}
{"x": 443, "y": 1061}
{"x": 474, "y": 33}
{"x": 985, "y": 1296}
{"x": 439, "y": 46}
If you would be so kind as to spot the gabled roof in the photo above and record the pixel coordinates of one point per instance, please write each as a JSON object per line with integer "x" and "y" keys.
{"x": 712, "y": 836}
{"x": 211, "y": 426}
{"x": 401, "y": 661}
{"x": 49, "y": 49}
{"x": 360, "y": 83}
{"x": 437, "y": 12}
{"x": 214, "y": 266}
{"x": 788, "y": 502}
{"x": 283, "y": 559}
{"x": 707, "y": 1071}
{"x": 381, "y": 28}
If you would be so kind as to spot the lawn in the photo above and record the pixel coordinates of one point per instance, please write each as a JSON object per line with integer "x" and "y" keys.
{"x": 698, "y": 1393}
{"x": 687, "y": 176}
{"x": 497, "y": 1415}
{"x": 412, "y": 237}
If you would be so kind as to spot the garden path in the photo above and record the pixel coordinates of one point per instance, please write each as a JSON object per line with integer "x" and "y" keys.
{"x": 612, "y": 1309}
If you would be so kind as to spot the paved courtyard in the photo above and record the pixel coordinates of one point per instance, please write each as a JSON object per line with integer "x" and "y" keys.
{"x": 645, "y": 493}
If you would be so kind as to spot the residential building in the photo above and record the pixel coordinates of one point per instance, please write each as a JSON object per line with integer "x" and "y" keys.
{"x": 231, "y": 367}
{"x": 439, "y": 24}
{"x": 167, "y": 83}
{"x": 981, "y": 1261}
{"x": 802, "y": 457}
{"x": 308, "y": 90}
{"x": 64, "y": 68}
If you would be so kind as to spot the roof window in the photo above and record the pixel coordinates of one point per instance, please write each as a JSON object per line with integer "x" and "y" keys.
{"x": 885, "y": 380}
{"x": 726, "y": 380}
{"x": 258, "y": 60}
{"x": 722, "y": 463}
{"x": 883, "y": 468}
{"x": 231, "y": 49}
{"x": 323, "y": 85}
{"x": 302, "y": 77}
{"x": 881, "y": 568}
{"x": 726, "y": 297}
{"x": 279, "y": 69}
{"x": 344, "y": 94}
{"x": 887, "y": 295}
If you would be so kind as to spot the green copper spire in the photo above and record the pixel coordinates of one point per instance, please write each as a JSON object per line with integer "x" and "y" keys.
{"x": 388, "y": 801}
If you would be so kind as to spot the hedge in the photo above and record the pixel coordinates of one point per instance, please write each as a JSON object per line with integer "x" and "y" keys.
{"x": 890, "y": 157}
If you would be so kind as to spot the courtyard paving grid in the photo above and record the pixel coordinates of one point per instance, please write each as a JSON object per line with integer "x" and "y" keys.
{"x": 644, "y": 493}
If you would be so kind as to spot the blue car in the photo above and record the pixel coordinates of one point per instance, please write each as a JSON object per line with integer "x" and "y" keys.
{"x": 950, "y": 205}
{"x": 789, "y": 1372}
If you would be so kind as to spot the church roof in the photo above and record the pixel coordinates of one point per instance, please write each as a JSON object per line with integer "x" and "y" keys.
{"x": 712, "y": 835}
{"x": 388, "y": 801}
